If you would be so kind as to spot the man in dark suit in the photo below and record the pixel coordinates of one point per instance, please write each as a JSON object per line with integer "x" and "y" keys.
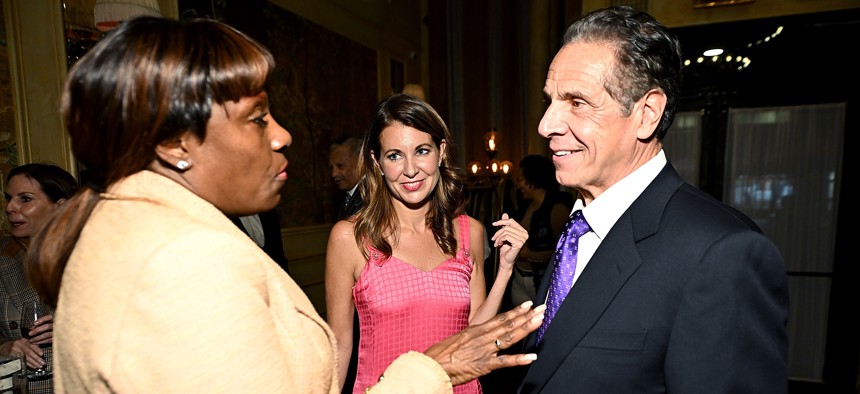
{"x": 673, "y": 291}
{"x": 265, "y": 229}
{"x": 343, "y": 162}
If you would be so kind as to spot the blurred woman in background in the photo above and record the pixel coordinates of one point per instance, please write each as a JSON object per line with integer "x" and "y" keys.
{"x": 544, "y": 209}
{"x": 33, "y": 192}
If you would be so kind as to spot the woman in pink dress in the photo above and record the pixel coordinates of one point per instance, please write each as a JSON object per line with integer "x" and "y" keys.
{"x": 410, "y": 262}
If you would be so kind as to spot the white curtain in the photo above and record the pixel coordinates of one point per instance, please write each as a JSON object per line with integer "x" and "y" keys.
{"x": 783, "y": 169}
{"x": 683, "y": 145}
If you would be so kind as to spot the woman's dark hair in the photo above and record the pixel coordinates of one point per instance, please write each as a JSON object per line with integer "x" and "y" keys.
{"x": 55, "y": 182}
{"x": 539, "y": 172}
{"x": 375, "y": 220}
{"x": 145, "y": 83}
{"x": 647, "y": 56}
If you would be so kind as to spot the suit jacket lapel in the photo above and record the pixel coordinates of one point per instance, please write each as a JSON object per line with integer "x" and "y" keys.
{"x": 614, "y": 261}
{"x": 603, "y": 277}
{"x": 350, "y": 206}
{"x": 344, "y": 207}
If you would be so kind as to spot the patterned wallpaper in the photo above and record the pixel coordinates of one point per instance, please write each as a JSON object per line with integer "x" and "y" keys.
{"x": 324, "y": 88}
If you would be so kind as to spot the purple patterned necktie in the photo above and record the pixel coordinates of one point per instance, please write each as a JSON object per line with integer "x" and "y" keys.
{"x": 565, "y": 266}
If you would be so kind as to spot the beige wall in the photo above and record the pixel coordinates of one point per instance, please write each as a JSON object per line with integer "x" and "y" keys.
{"x": 678, "y": 13}
{"x": 37, "y": 57}
{"x": 305, "y": 248}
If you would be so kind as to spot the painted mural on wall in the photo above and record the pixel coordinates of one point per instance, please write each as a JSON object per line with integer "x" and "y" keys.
{"x": 324, "y": 88}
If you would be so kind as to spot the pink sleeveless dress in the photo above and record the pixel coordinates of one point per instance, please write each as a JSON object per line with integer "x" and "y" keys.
{"x": 402, "y": 308}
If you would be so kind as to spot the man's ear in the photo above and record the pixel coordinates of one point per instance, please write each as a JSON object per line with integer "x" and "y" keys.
{"x": 174, "y": 152}
{"x": 652, "y": 107}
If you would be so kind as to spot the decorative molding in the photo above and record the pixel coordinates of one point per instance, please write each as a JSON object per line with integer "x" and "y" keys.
{"x": 715, "y": 3}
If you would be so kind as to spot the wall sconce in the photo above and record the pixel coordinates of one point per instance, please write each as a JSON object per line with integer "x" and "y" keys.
{"x": 494, "y": 167}
{"x": 490, "y": 143}
{"x": 493, "y": 170}
{"x": 475, "y": 167}
{"x": 109, "y": 13}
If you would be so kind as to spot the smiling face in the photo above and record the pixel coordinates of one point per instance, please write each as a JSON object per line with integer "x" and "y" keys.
{"x": 593, "y": 144}
{"x": 240, "y": 166}
{"x": 410, "y": 162}
{"x": 27, "y": 206}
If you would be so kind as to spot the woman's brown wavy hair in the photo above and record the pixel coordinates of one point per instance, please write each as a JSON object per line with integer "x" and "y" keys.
{"x": 144, "y": 83}
{"x": 375, "y": 222}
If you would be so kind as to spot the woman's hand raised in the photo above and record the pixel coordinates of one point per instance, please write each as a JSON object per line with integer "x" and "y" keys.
{"x": 509, "y": 238}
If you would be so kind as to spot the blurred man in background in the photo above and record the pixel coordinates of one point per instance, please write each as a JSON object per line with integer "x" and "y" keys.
{"x": 343, "y": 161}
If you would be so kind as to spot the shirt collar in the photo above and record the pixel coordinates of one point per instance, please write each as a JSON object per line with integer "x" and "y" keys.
{"x": 605, "y": 210}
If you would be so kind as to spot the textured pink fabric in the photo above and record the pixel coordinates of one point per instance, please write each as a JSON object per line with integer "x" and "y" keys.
{"x": 402, "y": 308}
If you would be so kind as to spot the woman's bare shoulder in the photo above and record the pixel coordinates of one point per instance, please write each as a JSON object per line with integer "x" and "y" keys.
{"x": 476, "y": 228}
{"x": 342, "y": 238}
{"x": 343, "y": 228}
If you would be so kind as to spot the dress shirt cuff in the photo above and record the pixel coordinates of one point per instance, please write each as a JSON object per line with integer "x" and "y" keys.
{"x": 413, "y": 372}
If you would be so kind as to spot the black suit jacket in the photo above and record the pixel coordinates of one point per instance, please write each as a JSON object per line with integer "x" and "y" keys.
{"x": 273, "y": 244}
{"x": 684, "y": 295}
{"x": 350, "y": 205}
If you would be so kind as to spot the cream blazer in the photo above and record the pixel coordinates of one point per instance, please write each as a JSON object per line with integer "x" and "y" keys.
{"x": 164, "y": 294}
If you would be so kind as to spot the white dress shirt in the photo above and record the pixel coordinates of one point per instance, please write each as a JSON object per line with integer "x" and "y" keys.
{"x": 605, "y": 210}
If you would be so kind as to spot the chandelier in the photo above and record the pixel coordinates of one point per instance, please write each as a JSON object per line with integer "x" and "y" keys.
{"x": 492, "y": 170}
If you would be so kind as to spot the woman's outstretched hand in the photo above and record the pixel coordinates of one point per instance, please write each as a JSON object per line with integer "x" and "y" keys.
{"x": 473, "y": 352}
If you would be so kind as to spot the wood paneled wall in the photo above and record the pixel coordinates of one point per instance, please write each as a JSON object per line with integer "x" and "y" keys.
{"x": 305, "y": 248}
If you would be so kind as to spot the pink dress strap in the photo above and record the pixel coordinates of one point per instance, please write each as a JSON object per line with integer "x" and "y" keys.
{"x": 465, "y": 236}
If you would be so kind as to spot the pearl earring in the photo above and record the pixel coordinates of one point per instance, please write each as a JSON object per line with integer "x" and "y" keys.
{"x": 182, "y": 165}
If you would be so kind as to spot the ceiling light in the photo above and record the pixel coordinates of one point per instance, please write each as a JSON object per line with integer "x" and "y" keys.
{"x": 108, "y": 14}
